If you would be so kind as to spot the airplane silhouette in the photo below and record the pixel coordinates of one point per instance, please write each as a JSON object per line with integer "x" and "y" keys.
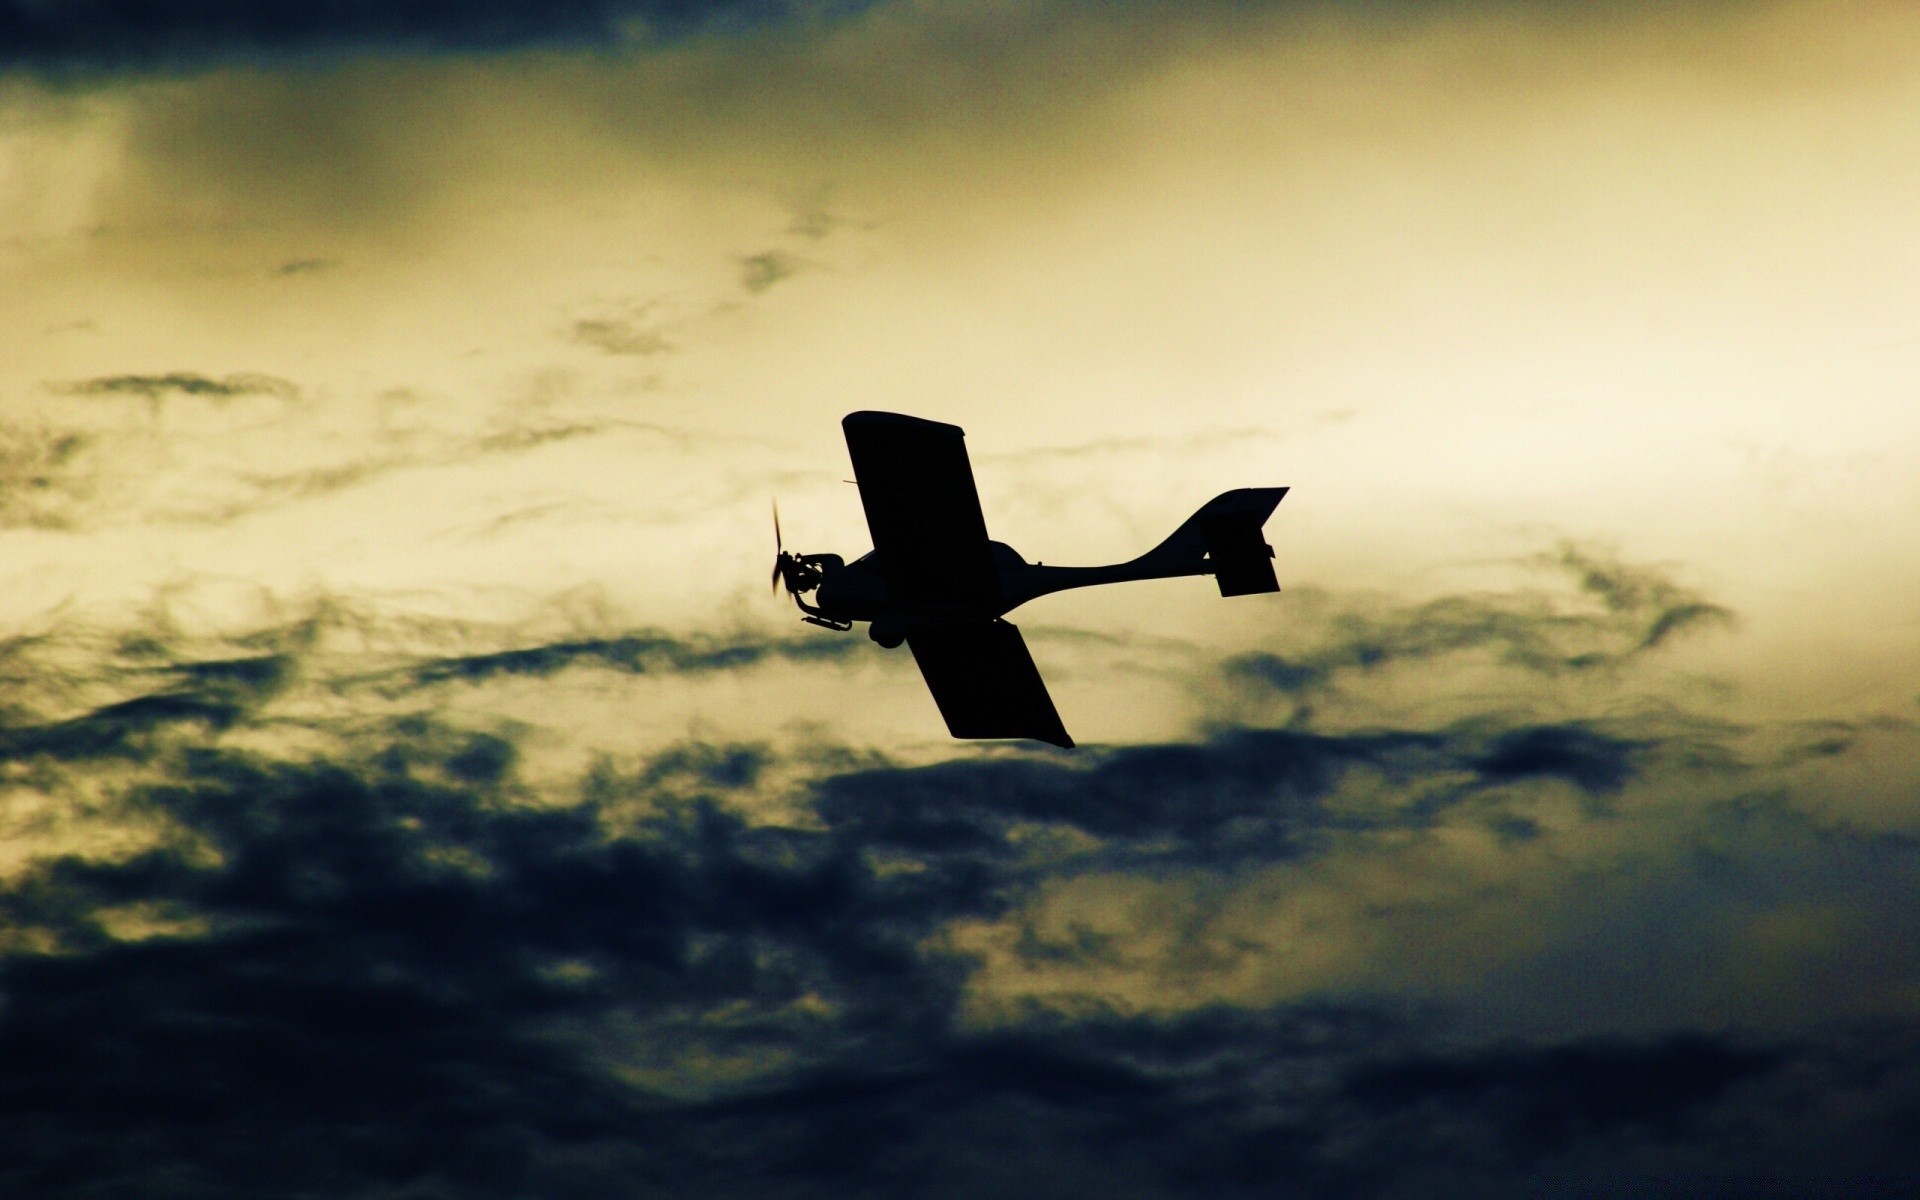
{"x": 935, "y": 581}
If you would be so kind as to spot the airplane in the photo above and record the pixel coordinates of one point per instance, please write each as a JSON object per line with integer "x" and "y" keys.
{"x": 935, "y": 581}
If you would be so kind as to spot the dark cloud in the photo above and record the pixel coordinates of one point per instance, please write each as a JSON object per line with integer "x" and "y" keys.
{"x": 41, "y": 478}
{"x": 1617, "y": 614}
{"x": 371, "y": 143}
{"x": 392, "y": 965}
{"x": 209, "y": 696}
{"x": 120, "y": 33}
{"x": 758, "y": 272}
{"x": 1243, "y": 796}
{"x": 186, "y": 447}
{"x": 1594, "y": 761}
{"x": 1544, "y": 1098}
{"x": 123, "y": 33}
{"x": 400, "y": 958}
{"x": 184, "y": 383}
{"x": 158, "y": 681}
{"x": 618, "y": 335}
{"x": 639, "y": 654}
{"x": 387, "y": 973}
{"x": 305, "y": 266}
{"x": 1259, "y": 791}
{"x": 1652, "y": 604}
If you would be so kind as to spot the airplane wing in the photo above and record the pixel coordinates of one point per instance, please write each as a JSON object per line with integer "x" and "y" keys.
{"x": 922, "y": 510}
{"x": 985, "y": 682}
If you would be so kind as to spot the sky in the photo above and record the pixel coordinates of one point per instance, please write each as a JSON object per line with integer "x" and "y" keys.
{"x": 410, "y": 790}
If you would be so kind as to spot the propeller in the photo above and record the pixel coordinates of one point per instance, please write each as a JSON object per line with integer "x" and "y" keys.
{"x": 790, "y": 569}
{"x": 779, "y": 550}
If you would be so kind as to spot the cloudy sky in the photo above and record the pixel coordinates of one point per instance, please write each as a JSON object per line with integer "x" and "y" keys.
{"x": 410, "y": 790}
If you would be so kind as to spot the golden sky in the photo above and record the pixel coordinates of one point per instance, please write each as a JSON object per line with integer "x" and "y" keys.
{"x": 451, "y": 377}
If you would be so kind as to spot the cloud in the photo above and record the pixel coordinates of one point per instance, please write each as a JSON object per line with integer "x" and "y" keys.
{"x": 1133, "y": 447}
{"x": 1616, "y": 616}
{"x": 75, "y": 685}
{"x": 99, "y": 34}
{"x": 372, "y": 953}
{"x": 469, "y": 941}
{"x": 184, "y": 383}
{"x": 635, "y": 654}
{"x": 77, "y": 464}
{"x": 1542, "y": 1099}
{"x": 1593, "y": 761}
{"x": 305, "y": 266}
{"x": 385, "y": 970}
{"x": 201, "y": 449}
{"x": 206, "y": 695}
{"x": 617, "y": 335}
{"x": 40, "y": 475}
{"x": 1242, "y": 798}
{"x": 758, "y": 272}
{"x": 346, "y": 123}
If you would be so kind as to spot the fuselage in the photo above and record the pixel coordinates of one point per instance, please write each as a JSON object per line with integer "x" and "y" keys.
{"x": 857, "y": 591}
{"x": 1222, "y": 539}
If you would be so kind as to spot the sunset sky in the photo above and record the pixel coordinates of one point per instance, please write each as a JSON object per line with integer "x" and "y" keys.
{"x": 409, "y": 788}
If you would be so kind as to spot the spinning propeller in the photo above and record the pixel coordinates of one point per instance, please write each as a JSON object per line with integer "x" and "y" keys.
{"x": 789, "y": 568}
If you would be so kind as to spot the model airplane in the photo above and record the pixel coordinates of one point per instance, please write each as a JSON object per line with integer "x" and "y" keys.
{"x": 936, "y": 582}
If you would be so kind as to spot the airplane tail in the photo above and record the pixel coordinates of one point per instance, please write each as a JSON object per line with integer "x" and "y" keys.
{"x": 1223, "y": 540}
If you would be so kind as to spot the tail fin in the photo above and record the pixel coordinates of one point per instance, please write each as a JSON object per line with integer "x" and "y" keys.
{"x": 1223, "y": 540}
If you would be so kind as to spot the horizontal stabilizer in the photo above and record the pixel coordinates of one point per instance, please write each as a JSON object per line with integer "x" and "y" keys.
{"x": 985, "y": 683}
{"x": 1238, "y": 556}
{"x": 1223, "y": 540}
